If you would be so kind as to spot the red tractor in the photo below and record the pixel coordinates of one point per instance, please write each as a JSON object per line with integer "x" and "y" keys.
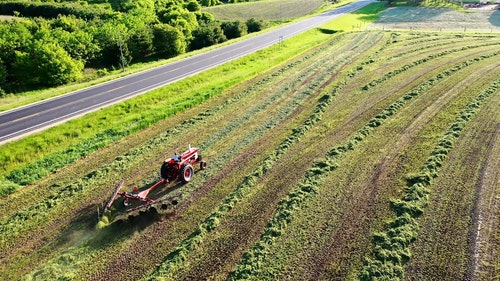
{"x": 179, "y": 167}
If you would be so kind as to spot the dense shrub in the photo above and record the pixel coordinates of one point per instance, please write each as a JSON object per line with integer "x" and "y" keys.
{"x": 168, "y": 41}
{"x": 254, "y": 25}
{"x": 207, "y": 35}
{"x": 234, "y": 29}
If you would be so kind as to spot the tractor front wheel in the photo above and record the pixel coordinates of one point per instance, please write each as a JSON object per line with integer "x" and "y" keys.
{"x": 186, "y": 174}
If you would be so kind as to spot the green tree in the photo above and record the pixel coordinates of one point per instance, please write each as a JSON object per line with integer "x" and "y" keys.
{"x": 128, "y": 5}
{"x": 204, "y": 17}
{"x": 140, "y": 38}
{"x": 46, "y": 64}
{"x": 234, "y": 29}
{"x": 180, "y": 18}
{"x": 193, "y": 6}
{"x": 14, "y": 36}
{"x": 111, "y": 37}
{"x": 254, "y": 25}
{"x": 140, "y": 42}
{"x": 79, "y": 44}
{"x": 207, "y": 35}
{"x": 68, "y": 23}
{"x": 168, "y": 41}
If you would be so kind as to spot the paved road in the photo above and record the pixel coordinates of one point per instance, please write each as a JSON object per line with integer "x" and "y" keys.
{"x": 19, "y": 122}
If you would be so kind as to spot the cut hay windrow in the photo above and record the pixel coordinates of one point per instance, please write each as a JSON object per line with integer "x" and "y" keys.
{"x": 177, "y": 257}
{"x": 252, "y": 262}
{"x": 433, "y": 46}
{"x": 392, "y": 246}
{"x": 429, "y": 58}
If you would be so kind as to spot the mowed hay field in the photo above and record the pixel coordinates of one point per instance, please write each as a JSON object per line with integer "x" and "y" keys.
{"x": 485, "y": 18}
{"x": 373, "y": 153}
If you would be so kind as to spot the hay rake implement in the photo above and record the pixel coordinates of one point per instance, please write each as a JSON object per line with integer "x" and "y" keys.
{"x": 179, "y": 167}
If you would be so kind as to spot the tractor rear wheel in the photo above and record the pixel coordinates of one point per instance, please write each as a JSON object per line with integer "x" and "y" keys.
{"x": 186, "y": 174}
{"x": 165, "y": 171}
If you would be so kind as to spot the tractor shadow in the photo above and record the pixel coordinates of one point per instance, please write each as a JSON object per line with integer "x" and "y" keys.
{"x": 122, "y": 225}
{"x": 125, "y": 225}
{"x": 83, "y": 228}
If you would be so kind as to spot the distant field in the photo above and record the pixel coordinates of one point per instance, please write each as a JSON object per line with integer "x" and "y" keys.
{"x": 6, "y": 17}
{"x": 266, "y": 10}
{"x": 438, "y": 19}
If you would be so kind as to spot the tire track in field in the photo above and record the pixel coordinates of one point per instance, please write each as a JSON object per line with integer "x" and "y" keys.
{"x": 483, "y": 248}
{"x": 445, "y": 223}
{"x": 348, "y": 220}
{"x": 392, "y": 246}
{"x": 373, "y": 101}
{"x": 407, "y": 82}
{"x": 431, "y": 57}
{"x": 451, "y": 40}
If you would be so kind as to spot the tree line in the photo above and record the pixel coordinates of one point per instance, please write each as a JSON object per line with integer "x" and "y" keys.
{"x": 53, "y": 48}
